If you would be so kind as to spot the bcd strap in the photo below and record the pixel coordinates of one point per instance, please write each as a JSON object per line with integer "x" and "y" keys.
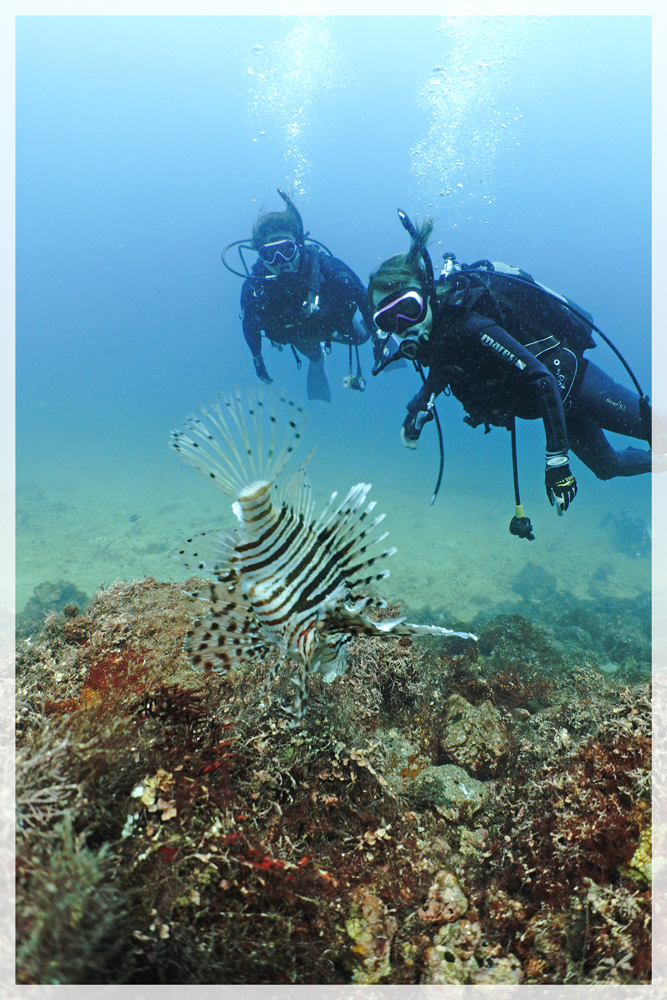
{"x": 314, "y": 275}
{"x": 540, "y": 346}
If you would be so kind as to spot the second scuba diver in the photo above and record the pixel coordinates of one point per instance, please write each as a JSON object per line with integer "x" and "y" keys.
{"x": 506, "y": 347}
{"x": 298, "y": 293}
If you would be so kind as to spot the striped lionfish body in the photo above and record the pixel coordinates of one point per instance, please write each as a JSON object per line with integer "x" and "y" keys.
{"x": 286, "y": 580}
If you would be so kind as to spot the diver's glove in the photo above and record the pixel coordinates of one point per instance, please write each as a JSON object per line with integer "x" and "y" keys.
{"x": 412, "y": 427}
{"x": 260, "y": 368}
{"x": 560, "y": 483}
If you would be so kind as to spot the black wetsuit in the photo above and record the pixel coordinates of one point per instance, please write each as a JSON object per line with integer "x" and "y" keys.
{"x": 276, "y": 305}
{"x": 497, "y": 377}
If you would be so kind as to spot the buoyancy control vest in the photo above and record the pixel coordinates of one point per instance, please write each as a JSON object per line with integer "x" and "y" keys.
{"x": 552, "y": 327}
{"x": 528, "y": 310}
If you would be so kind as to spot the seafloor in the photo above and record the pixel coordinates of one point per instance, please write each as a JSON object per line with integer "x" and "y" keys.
{"x": 448, "y": 813}
{"x": 92, "y": 527}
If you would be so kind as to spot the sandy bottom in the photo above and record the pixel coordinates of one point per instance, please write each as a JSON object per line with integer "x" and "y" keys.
{"x": 96, "y": 525}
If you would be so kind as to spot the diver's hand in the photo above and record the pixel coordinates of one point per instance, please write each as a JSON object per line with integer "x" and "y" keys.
{"x": 408, "y": 441}
{"x": 378, "y": 346}
{"x": 560, "y": 484}
{"x": 311, "y": 305}
{"x": 412, "y": 427}
{"x": 422, "y": 418}
{"x": 260, "y": 368}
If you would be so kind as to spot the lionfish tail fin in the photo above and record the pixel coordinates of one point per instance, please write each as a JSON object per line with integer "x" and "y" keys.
{"x": 246, "y": 434}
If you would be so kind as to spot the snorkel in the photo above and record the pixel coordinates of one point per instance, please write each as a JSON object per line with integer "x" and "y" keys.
{"x": 299, "y": 237}
{"x": 409, "y": 347}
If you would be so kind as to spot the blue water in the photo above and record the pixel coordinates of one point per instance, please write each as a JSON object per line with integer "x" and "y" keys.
{"x": 146, "y": 144}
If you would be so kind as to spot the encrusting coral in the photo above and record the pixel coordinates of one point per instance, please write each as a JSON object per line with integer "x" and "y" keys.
{"x": 173, "y": 829}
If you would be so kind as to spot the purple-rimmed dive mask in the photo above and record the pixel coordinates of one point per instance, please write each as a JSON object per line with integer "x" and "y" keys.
{"x": 398, "y": 311}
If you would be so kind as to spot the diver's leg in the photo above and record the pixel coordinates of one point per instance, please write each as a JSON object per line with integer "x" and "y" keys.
{"x": 600, "y": 403}
{"x": 608, "y": 404}
{"x": 588, "y": 442}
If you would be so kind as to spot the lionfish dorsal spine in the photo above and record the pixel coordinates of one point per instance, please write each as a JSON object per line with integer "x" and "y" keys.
{"x": 245, "y": 436}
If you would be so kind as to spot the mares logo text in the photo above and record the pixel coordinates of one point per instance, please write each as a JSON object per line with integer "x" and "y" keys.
{"x": 498, "y": 348}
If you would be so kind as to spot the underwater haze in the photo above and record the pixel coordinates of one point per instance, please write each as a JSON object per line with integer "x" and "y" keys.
{"x": 147, "y": 144}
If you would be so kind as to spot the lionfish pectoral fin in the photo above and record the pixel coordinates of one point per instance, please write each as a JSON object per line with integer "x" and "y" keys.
{"x": 344, "y": 620}
{"x": 347, "y": 619}
{"x": 361, "y": 601}
{"x": 399, "y": 626}
{"x": 347, "y": 604}
{"x": 209, "y": 551}
{"x": 228, "y": 636}
{"x": 219, "y": 593}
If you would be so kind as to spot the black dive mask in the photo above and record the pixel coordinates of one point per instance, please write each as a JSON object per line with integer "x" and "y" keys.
{"x": 279, "y": 252}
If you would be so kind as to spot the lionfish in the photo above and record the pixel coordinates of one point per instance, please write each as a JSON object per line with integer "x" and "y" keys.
{"x": 286, "y": 580}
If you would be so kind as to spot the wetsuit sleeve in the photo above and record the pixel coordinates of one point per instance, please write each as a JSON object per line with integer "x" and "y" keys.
{"x": 482, "y": 338}
{"x": 252, "y": 330}
{"x": 360, "y": 299}
{"x": 432, "y": 386}
{"x": 366, "y": 314}
{"x": 349, "y": 295}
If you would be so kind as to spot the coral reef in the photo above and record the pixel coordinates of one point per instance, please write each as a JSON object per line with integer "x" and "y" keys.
{"x": 49, "y": 597}
{"x": 535, "y": 583}
{"x": 573, "y": 853}
{"x": 442, "y": 816}
{"x": 477, "y": 738}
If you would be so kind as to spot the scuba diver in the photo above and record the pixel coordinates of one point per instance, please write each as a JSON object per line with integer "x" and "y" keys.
{"x": 505, "y": 347}
{"x": 298, "y": 293}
